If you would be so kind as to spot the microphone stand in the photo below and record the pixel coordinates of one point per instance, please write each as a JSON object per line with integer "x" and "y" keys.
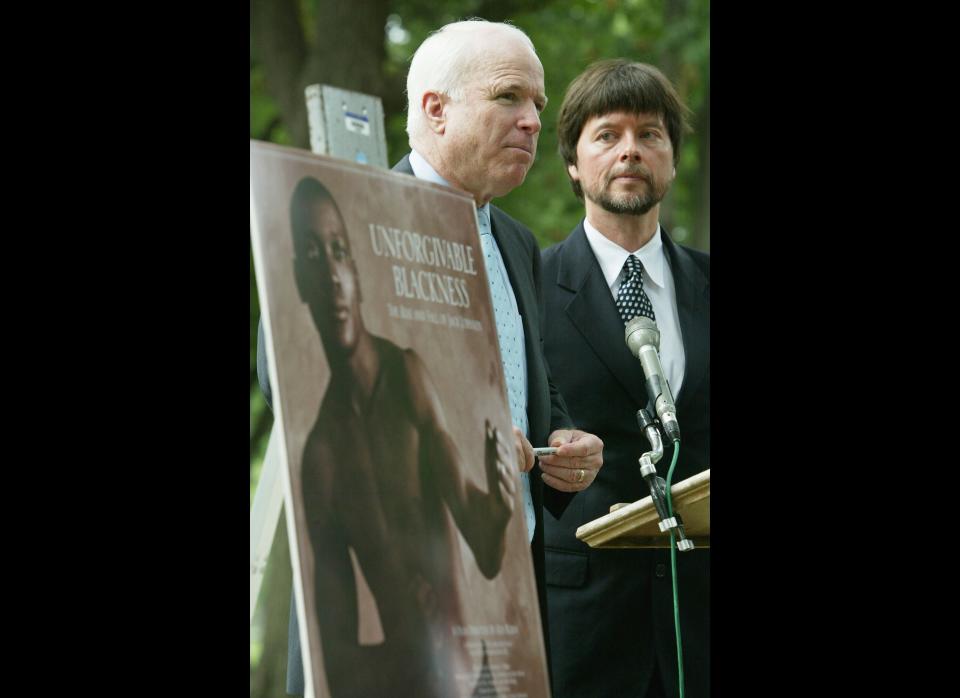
{"x": 657, "y": 484}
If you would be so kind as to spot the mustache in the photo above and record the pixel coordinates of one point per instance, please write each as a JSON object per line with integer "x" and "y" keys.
{"x": 632, "y": 171}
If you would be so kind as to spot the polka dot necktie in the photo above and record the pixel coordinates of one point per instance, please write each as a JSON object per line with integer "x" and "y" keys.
{"x": 632, "y": 300}
{"x": 512, "y": 353}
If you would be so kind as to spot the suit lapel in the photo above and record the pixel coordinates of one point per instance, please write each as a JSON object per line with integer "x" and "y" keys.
{"x": 593, "y": 312}
{"x": 691, "y": 286}
{"x": 404, "y": 165}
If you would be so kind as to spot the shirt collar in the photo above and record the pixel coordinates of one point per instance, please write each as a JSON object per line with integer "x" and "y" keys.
{"x": 424, "y": 170}
{"x": 612, "y": 257}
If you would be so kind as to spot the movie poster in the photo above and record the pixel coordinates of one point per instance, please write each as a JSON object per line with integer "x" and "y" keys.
{"x": 411, "y": 558}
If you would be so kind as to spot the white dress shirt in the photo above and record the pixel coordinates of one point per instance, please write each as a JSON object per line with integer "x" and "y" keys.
{"x": 659, "y": 287}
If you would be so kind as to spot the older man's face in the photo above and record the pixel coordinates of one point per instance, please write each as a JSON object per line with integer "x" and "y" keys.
{"x": 490, "y": 136}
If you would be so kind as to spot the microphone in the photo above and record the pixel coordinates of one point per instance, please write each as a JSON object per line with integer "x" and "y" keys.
{"x": 643, "y": 340}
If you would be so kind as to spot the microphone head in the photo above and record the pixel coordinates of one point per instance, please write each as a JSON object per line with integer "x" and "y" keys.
{"x": 640, "y": 332}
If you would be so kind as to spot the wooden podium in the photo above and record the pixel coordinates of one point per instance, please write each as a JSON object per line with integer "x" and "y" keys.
{"x": 635, "y": 525}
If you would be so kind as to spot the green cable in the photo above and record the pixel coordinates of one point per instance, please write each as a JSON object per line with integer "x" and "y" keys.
{"x": 673, "y": 563}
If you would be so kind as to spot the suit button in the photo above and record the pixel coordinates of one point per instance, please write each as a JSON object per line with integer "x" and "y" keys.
{"x": 661, "y": 570}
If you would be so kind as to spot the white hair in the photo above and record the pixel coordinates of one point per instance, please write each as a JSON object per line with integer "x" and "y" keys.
{"x": 445, "y": 62}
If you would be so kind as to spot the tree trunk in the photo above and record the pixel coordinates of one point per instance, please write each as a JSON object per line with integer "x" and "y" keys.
{"x": 349, "y": 54}
{"x": 348, "y": 51}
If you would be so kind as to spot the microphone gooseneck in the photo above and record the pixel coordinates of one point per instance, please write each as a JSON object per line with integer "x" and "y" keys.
{"x": 643, "y": 340}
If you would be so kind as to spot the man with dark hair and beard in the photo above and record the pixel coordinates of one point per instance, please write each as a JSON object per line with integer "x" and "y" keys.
{"x": 612, "y": 626}
{"x": 380, "y": 471}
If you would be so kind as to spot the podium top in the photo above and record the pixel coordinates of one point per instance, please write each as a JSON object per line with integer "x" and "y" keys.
{"x": 635, "y": 525}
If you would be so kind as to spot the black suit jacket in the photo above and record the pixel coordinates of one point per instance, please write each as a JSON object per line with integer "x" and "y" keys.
{"x": 546, "y": 410}
{"x": 612, "y": 610}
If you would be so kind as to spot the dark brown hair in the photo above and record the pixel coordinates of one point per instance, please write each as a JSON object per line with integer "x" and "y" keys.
{"x": 618, "y": 85}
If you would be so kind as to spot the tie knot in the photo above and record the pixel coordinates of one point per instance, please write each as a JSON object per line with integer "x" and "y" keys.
{"x": 632, "y": 265}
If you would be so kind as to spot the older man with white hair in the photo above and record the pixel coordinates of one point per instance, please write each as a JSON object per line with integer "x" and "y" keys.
{"x": 475, "y": 91}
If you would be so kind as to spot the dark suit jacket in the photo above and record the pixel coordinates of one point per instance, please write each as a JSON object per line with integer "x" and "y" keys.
{"x": 546, "y": 410}
{"x": 612, "y": 610}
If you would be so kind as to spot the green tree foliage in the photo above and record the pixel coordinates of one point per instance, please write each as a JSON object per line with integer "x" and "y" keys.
{"x": 366, "y": 45}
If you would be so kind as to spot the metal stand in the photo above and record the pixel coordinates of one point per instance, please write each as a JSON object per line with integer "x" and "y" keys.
{"x": 347, "y": 125}
{"x": 657, "y": 484}
{"x": 265, "y": 515}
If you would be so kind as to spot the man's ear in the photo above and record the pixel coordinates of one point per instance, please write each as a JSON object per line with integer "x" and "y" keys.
{"x": 573, "y": 172}
{"x": 433, "y": 105}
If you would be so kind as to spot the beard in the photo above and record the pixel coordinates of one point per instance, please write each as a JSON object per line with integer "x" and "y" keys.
{"x": 634, "y": 204}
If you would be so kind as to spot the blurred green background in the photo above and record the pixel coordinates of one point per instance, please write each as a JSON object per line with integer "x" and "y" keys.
{"x": 366, "y": 45}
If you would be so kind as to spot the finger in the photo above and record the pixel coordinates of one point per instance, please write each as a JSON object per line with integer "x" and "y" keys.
{"x": 572, "y": 462}
{"x": 586, "y": 446}
{"x": 591, "y": 462}
{"x": 557, "y": 461}
{"x": 525, "y": 451}
{"x": 573, "y": 476}
{"x": 558, "y": 484}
